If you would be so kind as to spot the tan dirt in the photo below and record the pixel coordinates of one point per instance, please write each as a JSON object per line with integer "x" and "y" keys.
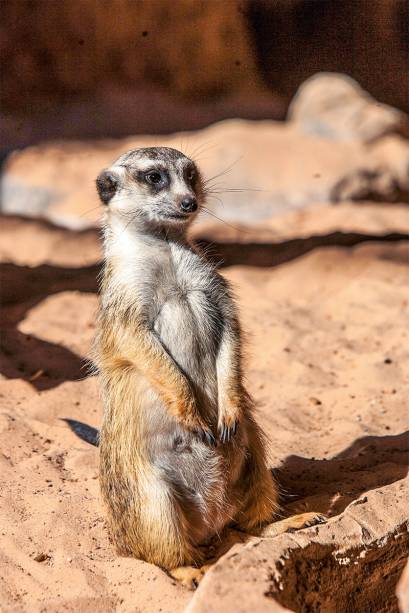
{"x": 327, "y": 362}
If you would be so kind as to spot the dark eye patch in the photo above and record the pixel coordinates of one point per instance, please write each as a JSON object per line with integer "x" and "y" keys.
{"x": 191, "y": 174}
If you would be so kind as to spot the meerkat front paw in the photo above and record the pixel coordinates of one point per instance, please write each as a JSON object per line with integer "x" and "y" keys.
{"x": 193, "y": 421}
{"x": 227, "y": 429}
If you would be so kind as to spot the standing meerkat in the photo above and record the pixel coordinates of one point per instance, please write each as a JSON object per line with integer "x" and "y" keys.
{"x": 181, "y": 456}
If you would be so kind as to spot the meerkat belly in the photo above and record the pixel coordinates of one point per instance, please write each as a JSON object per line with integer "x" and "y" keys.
{"x": 189, "y": 327}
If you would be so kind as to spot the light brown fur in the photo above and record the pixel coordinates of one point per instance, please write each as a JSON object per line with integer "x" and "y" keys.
{"x": 182, "y": 457}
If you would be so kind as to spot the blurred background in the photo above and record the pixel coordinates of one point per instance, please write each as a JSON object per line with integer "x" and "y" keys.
{"x": 108, "y": 68}
{"x": 296, "y": 113}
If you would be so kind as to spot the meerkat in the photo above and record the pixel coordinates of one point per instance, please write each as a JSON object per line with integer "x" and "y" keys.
{"x": 181, "y": 455}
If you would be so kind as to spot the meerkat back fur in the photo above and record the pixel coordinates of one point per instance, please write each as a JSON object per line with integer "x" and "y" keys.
{"x": 181, "y": 455}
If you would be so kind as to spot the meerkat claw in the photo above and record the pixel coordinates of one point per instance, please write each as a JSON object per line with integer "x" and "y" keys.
{"x": 210, "y": 438}
{"x": 226, "y": 433}
{"x": 207, "y": 437}
{"x": 321, "y": 519}
{"x": 307, "y": 520}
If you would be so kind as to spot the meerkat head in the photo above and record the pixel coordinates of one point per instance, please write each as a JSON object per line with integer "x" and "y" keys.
{"x": 158, "y": 185}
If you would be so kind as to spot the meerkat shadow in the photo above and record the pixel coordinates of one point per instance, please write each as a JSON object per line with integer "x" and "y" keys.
{"x": 330, "y": 485}
{"x": 86, "y": 433}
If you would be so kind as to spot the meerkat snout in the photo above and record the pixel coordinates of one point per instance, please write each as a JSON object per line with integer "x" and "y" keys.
{"x": 188, "y": 205}
{"x": 155, "y": 184}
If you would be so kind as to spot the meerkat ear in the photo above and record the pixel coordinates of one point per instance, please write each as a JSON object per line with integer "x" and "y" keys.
{"x": 107, "y": 184}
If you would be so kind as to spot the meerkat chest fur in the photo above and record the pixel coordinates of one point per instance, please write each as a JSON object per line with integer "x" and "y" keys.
{"x": 183, "y": 298}
{"x": 188, "y": 317}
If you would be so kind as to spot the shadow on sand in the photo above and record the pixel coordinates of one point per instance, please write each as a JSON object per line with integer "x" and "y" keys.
{"x": 44, "y": 364}
{"x": 328, "y": 486}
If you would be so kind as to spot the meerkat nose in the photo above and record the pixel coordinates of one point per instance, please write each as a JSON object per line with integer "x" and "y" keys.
{"x": 188, "y": 204}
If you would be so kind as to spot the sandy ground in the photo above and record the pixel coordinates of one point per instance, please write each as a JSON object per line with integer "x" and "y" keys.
{"x": 322, "y": 285}
{"x": 327, "y": 363}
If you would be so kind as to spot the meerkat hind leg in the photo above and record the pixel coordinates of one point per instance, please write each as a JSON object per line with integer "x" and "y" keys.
{"x": 189, "y": 576}
{"x": 291, "y": 524}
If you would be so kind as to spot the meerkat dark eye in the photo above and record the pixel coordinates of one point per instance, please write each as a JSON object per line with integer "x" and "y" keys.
{"x": 153, "y": 177}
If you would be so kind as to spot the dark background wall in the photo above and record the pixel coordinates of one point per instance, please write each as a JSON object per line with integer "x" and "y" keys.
{"x": 367, "y": 39}
{"x": 89, "y": 68}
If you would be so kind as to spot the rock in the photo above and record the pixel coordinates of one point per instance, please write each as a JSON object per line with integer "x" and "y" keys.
{"x": 349, "y": 564}
{"x": 391, "y": 154}
{"x": 334, "y": 106}
{"x": 256, "y": 170}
